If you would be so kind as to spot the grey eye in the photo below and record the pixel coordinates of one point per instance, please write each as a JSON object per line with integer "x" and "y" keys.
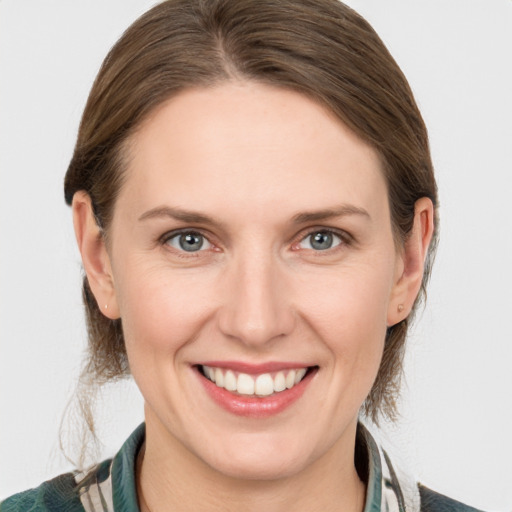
{"x": 189, "y": 242}
{"x": 320, "y": 241}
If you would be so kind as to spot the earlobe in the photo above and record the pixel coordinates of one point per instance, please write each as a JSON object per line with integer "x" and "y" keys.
{"x": 95, "y": 258}
{"x": 412, "y": 262}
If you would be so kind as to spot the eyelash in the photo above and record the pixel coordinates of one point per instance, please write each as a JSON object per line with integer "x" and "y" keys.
{"x": 345, "y": 239}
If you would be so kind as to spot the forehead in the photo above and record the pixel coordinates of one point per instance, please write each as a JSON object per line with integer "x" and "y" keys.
{"x": 249, "y": 144}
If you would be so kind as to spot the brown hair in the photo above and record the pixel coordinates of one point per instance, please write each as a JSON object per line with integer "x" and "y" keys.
{"x": 320, "y": 48}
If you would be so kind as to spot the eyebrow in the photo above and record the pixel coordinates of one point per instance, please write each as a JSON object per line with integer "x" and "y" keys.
{"x": 300, "y": 218}
{"x": 177, "y": 214}
{"x": 330, "y": 213}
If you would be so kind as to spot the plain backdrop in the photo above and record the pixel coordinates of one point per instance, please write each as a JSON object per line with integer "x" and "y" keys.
{"x": 456, "y": 426}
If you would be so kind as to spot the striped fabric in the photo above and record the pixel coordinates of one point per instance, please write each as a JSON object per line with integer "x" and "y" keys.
{"x": 95, "y": 493}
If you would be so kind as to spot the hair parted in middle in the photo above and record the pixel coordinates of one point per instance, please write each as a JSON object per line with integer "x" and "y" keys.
{"x": 320, "y": 48}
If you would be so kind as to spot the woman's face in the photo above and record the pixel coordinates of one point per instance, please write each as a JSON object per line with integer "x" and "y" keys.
{"x": 252, "y": 238}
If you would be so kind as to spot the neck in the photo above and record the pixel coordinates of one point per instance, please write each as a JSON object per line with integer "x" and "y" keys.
{"x": 169, "y": 477}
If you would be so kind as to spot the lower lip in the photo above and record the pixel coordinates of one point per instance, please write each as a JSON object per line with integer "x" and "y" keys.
{"x": 256, "y": 407}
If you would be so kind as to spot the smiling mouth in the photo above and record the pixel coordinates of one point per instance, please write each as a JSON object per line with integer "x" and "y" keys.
{"x": 260, "y": 385}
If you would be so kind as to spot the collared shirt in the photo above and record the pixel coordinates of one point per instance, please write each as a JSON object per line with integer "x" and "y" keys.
{"x": 110, "y": 486}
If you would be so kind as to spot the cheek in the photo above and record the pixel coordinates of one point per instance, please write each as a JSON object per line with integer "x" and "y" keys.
{"x": 348, "y": 311}
{"x": 160, "y": 310}
{"x": 349, "y": 301}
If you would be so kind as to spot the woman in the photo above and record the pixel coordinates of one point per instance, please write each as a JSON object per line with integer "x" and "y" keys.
{"x": 254, "y": 203}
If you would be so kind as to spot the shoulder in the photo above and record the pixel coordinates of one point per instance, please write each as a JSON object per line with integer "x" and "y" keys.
{"x": 109, "y": 485}
{"x": 432, "y": 501}
{"x": 391, "y": 488}
{"x": 58, "y": 494}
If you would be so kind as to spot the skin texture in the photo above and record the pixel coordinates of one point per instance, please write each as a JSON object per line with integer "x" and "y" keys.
{"x": 252, "y": 158}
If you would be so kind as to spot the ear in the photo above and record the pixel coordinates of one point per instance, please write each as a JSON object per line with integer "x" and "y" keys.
{"x": 411, "y": 262}
{"x": 95, "y": 258}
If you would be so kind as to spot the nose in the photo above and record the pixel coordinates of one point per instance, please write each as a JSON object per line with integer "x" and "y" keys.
{"x": 256, "y": 307}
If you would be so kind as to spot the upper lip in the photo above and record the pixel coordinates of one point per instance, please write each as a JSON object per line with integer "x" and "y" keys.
{"x": 255, "y": 368}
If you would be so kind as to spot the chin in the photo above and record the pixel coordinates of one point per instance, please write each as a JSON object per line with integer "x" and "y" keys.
{"x": 258, "y": 469}
{"x": 263, "y": 460}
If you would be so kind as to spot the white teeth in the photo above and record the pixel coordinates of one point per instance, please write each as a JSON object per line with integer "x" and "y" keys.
{"x": 290, "y": 379}
{"x": 219, "y": 378}
{"x": 279, "y": 382}
{"x": 261, "y": 385}
{"x": 245, "y": 384}
{"x": 264, "y": 385}
{"x": 230, "y": 381}
{"x": 299, "y": 375}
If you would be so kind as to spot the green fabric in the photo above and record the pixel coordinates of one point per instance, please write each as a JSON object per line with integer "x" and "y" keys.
{"x": 434, "y": 502}
{"x": 123, "y": 473}
{"x": 374, "y": 487}
{"x": 56, "y": 495}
